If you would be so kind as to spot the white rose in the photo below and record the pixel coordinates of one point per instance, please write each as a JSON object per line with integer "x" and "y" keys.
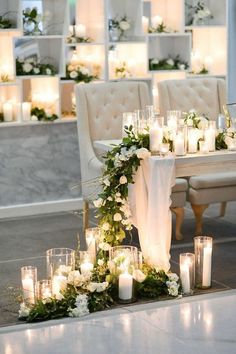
{"x": 139, "y": 276}
{"x": 173, "y": 277}
{"x": 24, "y": 310}
{"x": 110, "y": 199}
{"x": 118, "y": 194}
{"x": 117, "y": 217}
{"x": 75, "y": 278}
{"x": 104, "y": 246}
{"x": 100, "y": 262}
{"x": 107, "y": 182}
{"x": 98, "y": 203}
{"x": 124, "y": 25}
{"x": 36, "y": 70}
{"x": 170, "y": 62}
{"x": 98, "y": 287}
{"x": 21, "y": 59}
{"x": 172, "y": 288}
{"x": 154, "y": 61}
{"x": 181, "y": 66}
{"x": 123, "y": 180}
{"x": 73, "y": 74}
{"x": 48, "y": 71}
{"x": 106, "y": 226}
{"x": 34, "y": 118}
{"x": 142, "y": 153}
{"x": 84, "y": 71}
{"x": 27, "y": 67}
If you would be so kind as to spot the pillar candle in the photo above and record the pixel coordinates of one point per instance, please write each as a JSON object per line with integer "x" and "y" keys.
{"x": 28, "y": 289}
{"x": 179, "y": 145}
{"x": 156, "y": 136}
{"x": 185, "y": 277}
{"x": 206, "y": 272}
{"x": 209, "y": 136}
{"x": 8, "y": 111}
{"x": 193, "y": 136}
{"x": 125, "y": 286}
{"x": 26, "y": 111}
{"x": 80, "y": 30}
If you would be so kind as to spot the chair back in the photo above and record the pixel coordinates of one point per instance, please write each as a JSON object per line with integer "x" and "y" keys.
{"x": 206, "y": 95}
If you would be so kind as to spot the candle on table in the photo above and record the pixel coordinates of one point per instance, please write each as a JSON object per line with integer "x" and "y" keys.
{"x": 125, "y": 286}
{"x": 156, "y": 136}
{"x": 193, "y": 136}
{"x": 80, "y": 30}
{"x": 206, "y": 272}
{"x": 28, "y": 289}
{"x": 26, "y": 111}
{"x": 58, "y": 284}
{"x": 7, "y": 111}
{"x": 204, "y": 148}
{"x": 179, "y": 145}
{"x": 185, "y": 277}
{"x": 209, "y": 136}
{"x": 86, "y": 267}
{"x": 91, "y": 244}
{"x": 145, "y": 24}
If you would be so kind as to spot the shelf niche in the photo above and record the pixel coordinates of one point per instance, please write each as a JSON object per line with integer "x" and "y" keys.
{"x": 170, "y": 11}
{"x": 217, "y": 9}
{"x": 12, "y": 10}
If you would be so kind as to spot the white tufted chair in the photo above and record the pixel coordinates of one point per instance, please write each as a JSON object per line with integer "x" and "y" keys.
{"x": 99, "y": 110}
{"x": 206, "y": 95}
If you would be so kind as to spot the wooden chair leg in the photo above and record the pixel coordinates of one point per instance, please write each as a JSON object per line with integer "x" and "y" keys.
{"x": 179, "y": 214}
{"x": 198, "y": 212}
{"x": 223, "y": 209}
{"x": 85, "y": 215}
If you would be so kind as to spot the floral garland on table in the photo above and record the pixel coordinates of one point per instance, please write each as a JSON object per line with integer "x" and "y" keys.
{"x": 97, "y": 290}
{"x": 32, "y": 66}
{"x": 168, "y": 64}
{"x": 79, "y": 73}
{"x": 200, "y": 13}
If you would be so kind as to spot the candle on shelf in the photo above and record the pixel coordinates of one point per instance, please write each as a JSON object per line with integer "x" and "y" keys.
{"x": 125, "y": 287}
{"x": 7, "y": 112}
{"x": 80, "y": 30}
{"x": 204, "y": 148}
{"x": 187, "y": 272}
{"x": 29, "y": 279}
{"x": 58, "y": 284}
{"x": 156, "y": 21}
{"x": 206, "y": 273}
{"x": 26, "y": 111}
{"x": 145, "y": 24}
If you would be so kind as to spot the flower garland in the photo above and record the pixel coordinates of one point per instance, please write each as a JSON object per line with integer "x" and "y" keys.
{"x": 32, "y": 66}
{"x": 168, "y": 64}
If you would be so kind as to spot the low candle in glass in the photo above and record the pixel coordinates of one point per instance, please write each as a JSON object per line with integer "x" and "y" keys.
{"x": 44, "y": 289}
{"x": 187, "y": 272}
{"x": 203, "y": 260}
{"x": 29, "y": 280}
{"x": 86, "y": 260}
{"x": 203, "y": 147}
{"x": 164, "y": 149}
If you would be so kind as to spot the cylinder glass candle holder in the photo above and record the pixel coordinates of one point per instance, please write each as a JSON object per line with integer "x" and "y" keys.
{"x": 156, "y": 133}
{"x": 126, "y": 288}
{"x": 210, "y": 135}
{"x": 86, "y": 260}
{"x": 129, "y": 120}
{"x": 203, "y": 147}
{"x": 193, "y": 136}
{"x": 60, "y": 261}
{"x": 44, "y": 289}
{"x": 142, "y": 121}
{"x": 173, "y": 118}
{"x": 180, "y": 141}
{"x": 164, "y": 149}
{"x": 29, "y": 280}
{"x": 92, "y": 236}
{"x": 187, "y": 272}
{"x": 203, "y": 260}
{"x": 123, "y": 259}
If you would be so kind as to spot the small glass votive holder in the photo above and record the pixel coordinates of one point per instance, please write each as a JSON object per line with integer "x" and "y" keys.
{"x": 92, "y": 236}
{"x": 60, "y": 261}
{"x": 86, "y": 261}
{"x": 29, "y": 280}
{"x": 164, "y": 149}
{"x": 129, "y": 121}
{"x": 187, "y": 272}
{"x": 203, "y": 260}
{"x": 203, "y": 147}
{"x": 44, "y": 289}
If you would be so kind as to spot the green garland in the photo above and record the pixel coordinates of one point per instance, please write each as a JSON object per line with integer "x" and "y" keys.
{"x": 168, "y": 64}
{"x": 42, "y": 115}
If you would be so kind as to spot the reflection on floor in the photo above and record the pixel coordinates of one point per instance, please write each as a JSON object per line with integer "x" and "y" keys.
{"x": 24, "y": 242}
{"x": 203, "y": 324}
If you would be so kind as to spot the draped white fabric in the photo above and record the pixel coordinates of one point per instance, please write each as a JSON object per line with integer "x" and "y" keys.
{"x": 149, "y": 199}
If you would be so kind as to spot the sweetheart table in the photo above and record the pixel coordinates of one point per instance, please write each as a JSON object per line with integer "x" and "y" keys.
{"x": 149, "y": 196}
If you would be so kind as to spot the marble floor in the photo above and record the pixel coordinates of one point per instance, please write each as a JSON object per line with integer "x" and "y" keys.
{"x": 203, "y": 324}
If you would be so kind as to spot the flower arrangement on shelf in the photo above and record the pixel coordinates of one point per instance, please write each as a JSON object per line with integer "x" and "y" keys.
{"x": 160, "y": 28}
{"x": 5, "y": 21}
{"x": 80, "y": 73}
{"x": 43, "y": 115}
{"x": 168, "y": 64}
{"x": 121, "y": 71}
{"x": 200, "y": 13}
{"x": 31, "y": 21}
{"x": 73, "y": 39}
{"x": 202, "y": 71}
{"x": 195, "y": 119}
{"x": 118, "y": 28}
{"x": 33, "y": 66}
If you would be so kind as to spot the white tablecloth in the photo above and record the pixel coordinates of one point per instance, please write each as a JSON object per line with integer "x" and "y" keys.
{"x": 150, "y": 202}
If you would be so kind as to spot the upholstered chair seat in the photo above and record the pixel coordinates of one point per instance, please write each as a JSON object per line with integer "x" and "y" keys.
{"x": 99, "y": 110}
{"x": 207, "y": 95}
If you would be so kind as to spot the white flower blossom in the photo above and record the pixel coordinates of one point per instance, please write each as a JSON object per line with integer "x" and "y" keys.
{"x": 104, "y": 246}
{"x": 138, "y": 275}
{"x": 73, "y": 74}
{"x": 110, "y": 199}
{"x": 36, "y": 70}
{"x": 101, "y": 262}
{"x": 181, "y": 66}
{"x": 98, "y": 287}
{"x": 173, "y": 277}
{"x": 117, "y": 217}
{"x": 76, "y": 279}
{"x": 84, "y": 71}
{"x": 154, "y": 61}
{"x": 106, "y": 226}
{"x": 34, "y": 118}
{"x": 173, "y": 288}
{"x": 170, "y": 62}
{"x": 124, "y": 25}
{"x": 142, "y": 153}
{"x": 27, "y": 67}
{"x": 81, "y": 308}
{"x": 123, "y": 180}
{"x": 24, "y": 310}
{"x": 48, "y": 71}
{"x": 98, "y": 203}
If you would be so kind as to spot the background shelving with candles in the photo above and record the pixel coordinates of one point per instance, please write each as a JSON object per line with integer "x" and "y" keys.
{"x": 63, "y": 34}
